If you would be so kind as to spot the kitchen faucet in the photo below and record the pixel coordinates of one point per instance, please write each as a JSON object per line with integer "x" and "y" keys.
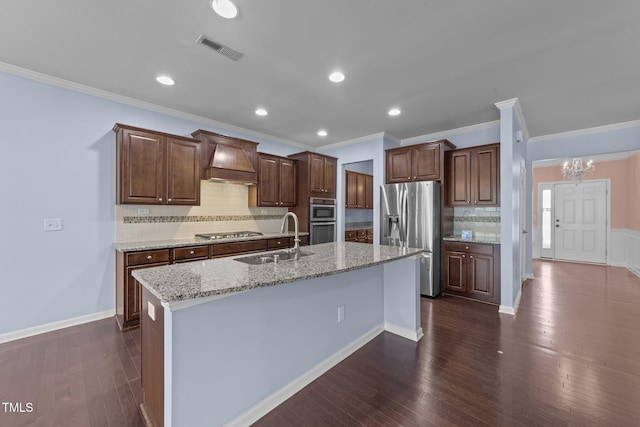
{"x": 296, "y": 238}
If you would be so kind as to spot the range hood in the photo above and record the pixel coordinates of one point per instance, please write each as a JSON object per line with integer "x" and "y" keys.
{"x": 227, "y": 159}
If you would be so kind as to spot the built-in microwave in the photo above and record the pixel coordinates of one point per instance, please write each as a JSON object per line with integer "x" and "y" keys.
{"x": 322, "y": 209}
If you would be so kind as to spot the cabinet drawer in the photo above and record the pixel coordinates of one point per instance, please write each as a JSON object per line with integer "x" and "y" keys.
{"x": 238, "y": 247}
{"x": 190, "y": 252}
{"x": 362, "y": 233}
{"x": 350, "y": 235}
{"x": 278, "y": 243}
{"x": 148, "y": 257}
{"x": 370, "y": 232}
{"x": 304, "y": 241}
{"x": 478, "y": 248}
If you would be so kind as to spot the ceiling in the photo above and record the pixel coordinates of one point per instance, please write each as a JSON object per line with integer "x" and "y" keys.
{"x": 573, "y": 64}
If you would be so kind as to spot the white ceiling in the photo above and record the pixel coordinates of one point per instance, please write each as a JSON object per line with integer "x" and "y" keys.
{"x": 573, "y": 64}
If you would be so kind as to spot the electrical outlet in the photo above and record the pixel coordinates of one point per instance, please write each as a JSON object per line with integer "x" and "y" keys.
{"x": 340, "y": 313}
{"x": 52, "y": 224}
{"x": 143, "y": 211}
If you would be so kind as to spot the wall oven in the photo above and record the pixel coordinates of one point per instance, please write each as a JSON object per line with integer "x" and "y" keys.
{"x": 322, "y": 220}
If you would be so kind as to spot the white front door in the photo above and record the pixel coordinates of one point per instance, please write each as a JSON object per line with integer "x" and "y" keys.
{"x": 580, "y": 222}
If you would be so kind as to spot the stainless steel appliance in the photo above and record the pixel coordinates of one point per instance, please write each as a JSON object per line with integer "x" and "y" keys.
{"x": 322, "y": 220}
{"x": 410, "y": 217}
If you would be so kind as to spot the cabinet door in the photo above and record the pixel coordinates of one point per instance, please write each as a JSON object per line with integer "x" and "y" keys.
{"x": 268, "y": 181}
{"x": 288, "y": 181}
{"x": 398, "y": 165}
{"x": 368, "y": 192}
{"x": 316, "y": 180}
{"x": 459, "y": 186}
{"x": 360, "y": 190}
{"x": 426, "y": 162}
{"x": 351, "y": 187}
{"x": 454, "y": 271}
{"x": 183, "y": 172}
{"x": 486, "y": 188}
{"x": 133, "y": 292}
{"x": 480, "y": 277}
{"x": 141, "y": 168}
{"x": 330, "y": 171}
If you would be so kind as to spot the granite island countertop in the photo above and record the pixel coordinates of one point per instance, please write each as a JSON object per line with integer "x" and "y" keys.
{"x": 483, "y": 240}
{"x": 195, "y": 241}
{"x": 350, "y": 226}
{"x": 178, "y": 283}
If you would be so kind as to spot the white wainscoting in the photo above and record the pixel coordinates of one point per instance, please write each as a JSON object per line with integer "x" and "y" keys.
{"x": 633, "y": 251}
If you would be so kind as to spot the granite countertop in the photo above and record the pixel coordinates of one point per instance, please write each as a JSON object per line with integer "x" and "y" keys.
{"x": 201, "y": 279}
{"x": 357, "y": 226}
{"x": 484, "y": 240}
{"x": 194, "y": 241}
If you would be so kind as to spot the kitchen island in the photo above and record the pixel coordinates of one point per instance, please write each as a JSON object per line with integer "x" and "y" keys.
{"x": 224, "y": 342}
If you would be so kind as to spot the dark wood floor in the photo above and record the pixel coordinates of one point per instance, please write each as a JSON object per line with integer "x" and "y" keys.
{"x": 571, "y": 356}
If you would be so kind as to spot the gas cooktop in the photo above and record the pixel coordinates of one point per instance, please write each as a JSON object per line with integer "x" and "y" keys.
{"x": 229, "y": 235}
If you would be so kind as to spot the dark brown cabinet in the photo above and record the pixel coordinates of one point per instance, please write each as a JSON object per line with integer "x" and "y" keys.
{"x": 318, "y": 173}
{"x": 474, "y": 176}
{"x": 472, "y": 270}
{"x": 360, "y": 236}
{"x": 128, "y": 292}
{"x": 156, "y": 168}
{"x": 276, "y": 182}
{"x": 358, "y": 190}
{"x": 421, "y": 162}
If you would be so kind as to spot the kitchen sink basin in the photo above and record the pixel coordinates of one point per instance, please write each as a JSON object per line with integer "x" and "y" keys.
{"x": 272, "y": 257}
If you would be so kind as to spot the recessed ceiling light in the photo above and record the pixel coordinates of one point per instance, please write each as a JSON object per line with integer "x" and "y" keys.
{"x": 336, "y": 77}
{"x": 322, "y": 132}
{"x": 394, "y": 112}
{"x": 261, "y": 112}
{"x": 165, "y": 80}
{"x": 225, "y": 8}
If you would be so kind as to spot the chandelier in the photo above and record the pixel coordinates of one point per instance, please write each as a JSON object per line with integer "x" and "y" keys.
{"x": 576, "y": 169}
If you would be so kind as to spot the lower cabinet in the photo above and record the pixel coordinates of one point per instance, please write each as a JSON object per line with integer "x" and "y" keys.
{"x": 472, "y": 270}
{"x": 360, "y": 236}
{"x": 129, "y": 292}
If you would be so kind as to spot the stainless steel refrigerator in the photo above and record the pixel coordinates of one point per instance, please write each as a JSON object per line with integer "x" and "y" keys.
{"x": 410, "y": 217}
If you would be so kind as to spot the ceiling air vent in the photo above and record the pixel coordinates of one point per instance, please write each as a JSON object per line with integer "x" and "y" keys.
{"x": 221, "y": 49}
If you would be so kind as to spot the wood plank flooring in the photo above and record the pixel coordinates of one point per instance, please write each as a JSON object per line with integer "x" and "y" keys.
{"x": 570, "y": 357}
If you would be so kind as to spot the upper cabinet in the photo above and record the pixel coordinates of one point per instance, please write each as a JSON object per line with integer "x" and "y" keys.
{"x": 276, "y": 182}
{"x": 156, "y": 168}
{"x": 318, "y": 173}
{"x": 473, "y": 176}
{"x": 421, "y": 162}
{"x": 358, "y": 190}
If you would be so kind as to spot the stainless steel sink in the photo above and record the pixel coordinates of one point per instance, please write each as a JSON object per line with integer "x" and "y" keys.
{"x": 271, "y": 257}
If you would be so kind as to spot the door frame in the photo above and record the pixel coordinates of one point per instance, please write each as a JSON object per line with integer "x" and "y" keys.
{"x": 552, "y": 184}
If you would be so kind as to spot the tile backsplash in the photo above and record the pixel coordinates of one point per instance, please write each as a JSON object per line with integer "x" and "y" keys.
{"x": 483, "y": 222}
{"x": 223, "y": 208}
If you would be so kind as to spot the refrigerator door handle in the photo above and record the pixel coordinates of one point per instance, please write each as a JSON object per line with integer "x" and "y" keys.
{"x": 404, "y": 217}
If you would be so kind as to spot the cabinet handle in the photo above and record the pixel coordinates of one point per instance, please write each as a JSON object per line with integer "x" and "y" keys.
{"x": 192, "y": 252}
{"x": 464, "y": 256}
{"x": 466, "y": 247}
{"x": 415, "y": 177}
{"x": 168, "y": 200}
{"x": 149, "y": 257}
{"x": 471, "y": 256}
{"x": 159, "y": 199}
{"x": 408, "y": 177}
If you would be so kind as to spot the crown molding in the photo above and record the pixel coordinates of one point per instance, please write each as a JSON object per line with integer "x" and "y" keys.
{"x": 587, "y": 131}
{"x": 353, "y": 141}
{"x": 608, "y": 157}
{"x": 440, "y": 135}
{"x": 517, "y": 108}
{"x": 88, "y": 90}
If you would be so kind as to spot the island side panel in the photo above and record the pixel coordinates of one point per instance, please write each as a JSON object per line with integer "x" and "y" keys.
{"x": 402, "y": 298}
{"x": 232, "y": 354}
{"x": 152, "y": 330}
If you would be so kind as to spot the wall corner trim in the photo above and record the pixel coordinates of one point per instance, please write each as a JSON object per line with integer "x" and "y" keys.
{"x": 517, "y": 108}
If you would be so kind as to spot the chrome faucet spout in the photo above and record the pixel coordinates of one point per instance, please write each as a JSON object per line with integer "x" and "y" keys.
{"x": 296, "y": 239}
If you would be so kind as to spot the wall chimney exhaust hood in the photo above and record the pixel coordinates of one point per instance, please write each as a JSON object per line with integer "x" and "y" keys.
{"x": 228, "y": 159}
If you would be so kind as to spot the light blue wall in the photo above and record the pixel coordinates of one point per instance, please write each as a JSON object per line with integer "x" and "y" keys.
{"x": 59, "y": 161}
{"x": 568, "y": 146}
{"x": 469, "y": 138}
{"x": 367, "y": 150}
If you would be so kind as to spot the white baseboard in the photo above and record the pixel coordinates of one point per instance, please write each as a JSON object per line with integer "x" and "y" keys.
{"x": 265, "y": 406}
{"x": 505, "y": 309}
{"x": 54, "y": 326}
{"x": 404, "y": 332}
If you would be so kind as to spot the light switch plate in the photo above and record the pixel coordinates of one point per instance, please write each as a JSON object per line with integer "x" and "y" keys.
{"x": 52, "y": 224}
